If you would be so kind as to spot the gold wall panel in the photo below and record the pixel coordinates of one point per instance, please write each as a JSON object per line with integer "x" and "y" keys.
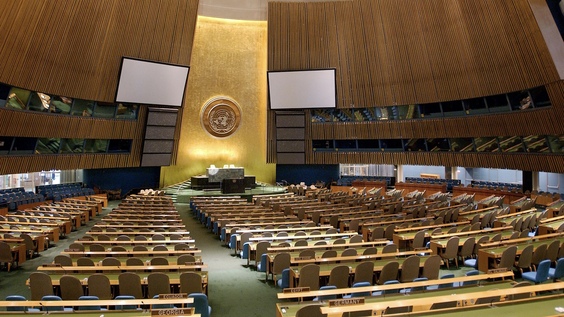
{"x": 228, "y": 59}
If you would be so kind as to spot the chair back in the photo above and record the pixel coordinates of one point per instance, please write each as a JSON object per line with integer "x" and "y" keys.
{"x": 525, "y": 258}
{"x": 389, "y": 272}
{"x": 130, "y": 284}
{"x": 182, "y": 259}
{"x": 390, "y": 248}
{"x": 134, "y": 262}
{"x": 158, "y": 283}
{"x": 159, "y": 261}
{"x": 339, "y": 276}
{"x": 539, "y": 254}
{"x": 431, "y": 267}
{"x": 281, "y": 262}
{"x": 410, "y": 269}
{"x": 40, "y": 285}
{"x": 200, "y": 304}
{"x": 6, "y": 253}
{"x": 364, "y": 272}
{"x": 552, "y": 250}
{"x": 260, "y": 249}
{"x": 349, "y": 252}
{"x": 508, "y": 258}
{"x": 99, "y": 286}
{"x": 111, "y": 261}
{"x": 309, "y": 276}
{"x": 71, "y": 287}
{"x": 84, "y": 261}
{"x": 190, "y": 282}
{"x": 558, "y": 271}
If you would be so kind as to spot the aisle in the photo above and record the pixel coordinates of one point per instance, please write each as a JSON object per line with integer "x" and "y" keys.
{"x": 234, "y": 290}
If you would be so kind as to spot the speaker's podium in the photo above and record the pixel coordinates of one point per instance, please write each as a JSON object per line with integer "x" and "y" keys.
{"x": 233, "y": 186}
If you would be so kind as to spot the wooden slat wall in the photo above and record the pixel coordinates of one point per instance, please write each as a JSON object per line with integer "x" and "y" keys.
{"x": 399, "y": 52}
{"x": 74, "y": 48}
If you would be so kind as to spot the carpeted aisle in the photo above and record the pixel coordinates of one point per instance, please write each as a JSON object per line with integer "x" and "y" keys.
{"x": 234, "y": 289}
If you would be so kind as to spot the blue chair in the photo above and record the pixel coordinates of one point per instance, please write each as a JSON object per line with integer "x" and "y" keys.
{"x": 54, "y": 308}
{"x": 245, "y": 251}
{"x": 89, "y": 307}
{"x": 419, "y": 288}
{"x": 326, "y": 297}
{"x": 391, "y": 291}
{"x": 471, "y": 273}
{"x": 125, "y": 307}
{"x": 20, "y": 308}
{"x": 541, "y": 275}
{"x": 359, "y": 294}
{"x": 201, "y": 304}
{"x": 558, "y": 271}
{"x": 161, "y": 306}
{"x": 439, "y": 286}
{"x": 284, "y": 281}
{"x": 261, "y": 267}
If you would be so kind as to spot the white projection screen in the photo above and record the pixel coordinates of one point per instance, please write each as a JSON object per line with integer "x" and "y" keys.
{"x": 151, "y": 83}
{"x": 302, "y": 89}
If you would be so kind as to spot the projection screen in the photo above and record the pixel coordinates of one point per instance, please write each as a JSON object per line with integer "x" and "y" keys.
{"x": 314, "y": 88}
{"x": 151, "y": 83}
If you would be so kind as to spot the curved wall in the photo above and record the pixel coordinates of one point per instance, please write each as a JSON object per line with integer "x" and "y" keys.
{"x": 389, "y": 52}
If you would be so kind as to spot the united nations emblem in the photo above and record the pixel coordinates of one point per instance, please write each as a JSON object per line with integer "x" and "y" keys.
{"x": 220, "y": 117}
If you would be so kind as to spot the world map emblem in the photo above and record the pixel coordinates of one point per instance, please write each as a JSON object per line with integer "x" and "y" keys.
{"x": 221, "y": 117}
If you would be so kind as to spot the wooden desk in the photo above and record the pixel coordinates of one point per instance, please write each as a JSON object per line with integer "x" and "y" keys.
{"x": 488, "y": 256}
{"x": 148, "y": 253}
{"x": 41, "y": 239}
{"x": 550, "y": 225}
{"x": 112, "y": 302}
{"x": 18, "y": 248}
{"x": 114, "y": 281}
{"x": 125, "y": 268}
{"x": 439, "y": 245}
{"x": 133, "y": 242}
{"x": 325, "y": 269}
{"x": 478, "y": 279}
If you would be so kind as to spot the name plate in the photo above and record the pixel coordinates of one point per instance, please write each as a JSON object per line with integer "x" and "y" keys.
{"x": 346, "y": 302}
{"x": 193, "y": 263}
{"x": 500, "y": 270}
{"x": 173, "y": 296}
{"x": 295, "y": 290}
{"x": 173, "y": 312}
{"x": 300, "y": 258}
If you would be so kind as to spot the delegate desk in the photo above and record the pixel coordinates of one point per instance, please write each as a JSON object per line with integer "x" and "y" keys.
{"x": 17, "y": 246}
{"x": 325, "y": 269}
{"x": 551, "y": 225}
{"x": 35, "y": 231}
{"x": 179, "y": 301}
{"x": 114, "y": 278}
{"x": 134, "y": 243}
{"x": 487, "y": 257}
{"x": 290, "y": 294}
{"x": 404, "y": 236}
{"x": 41, "y": 239}
{"x": 148, "y": 253}
{"x": 138, "y": 226}
{"x": 438, "y": 243}
{"x": 132, "y": 234}
{"x": 422, "y": 301}
{"x": 126, "y": 268}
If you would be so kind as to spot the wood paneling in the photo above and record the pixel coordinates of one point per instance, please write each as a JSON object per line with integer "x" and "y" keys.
{"x": 74, "y": 48}
{"x": 391, "y": 52}
{"x": 401, "y": 52}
